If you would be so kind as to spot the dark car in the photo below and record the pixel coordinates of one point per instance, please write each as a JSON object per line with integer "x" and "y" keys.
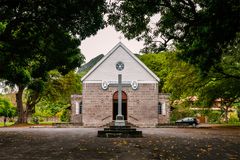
{"x": 188, "y": 121}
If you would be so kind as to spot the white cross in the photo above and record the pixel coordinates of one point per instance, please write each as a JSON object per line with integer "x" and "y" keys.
{"x": 119, "y": 118}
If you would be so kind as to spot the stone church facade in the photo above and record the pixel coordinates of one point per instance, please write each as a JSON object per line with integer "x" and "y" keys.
{"x": 142, "y": 104}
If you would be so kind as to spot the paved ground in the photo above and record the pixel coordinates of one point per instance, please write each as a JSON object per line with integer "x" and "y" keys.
{"x": 82, "y": 143}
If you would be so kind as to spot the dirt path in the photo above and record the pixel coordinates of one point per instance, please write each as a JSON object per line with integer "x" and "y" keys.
{"x": 82, "y": 143}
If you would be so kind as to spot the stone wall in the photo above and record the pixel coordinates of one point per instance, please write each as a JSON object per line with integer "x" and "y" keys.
{"x": 141, "y": 105}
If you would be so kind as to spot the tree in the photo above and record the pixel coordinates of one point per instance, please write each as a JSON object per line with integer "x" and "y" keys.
{"x": 229, "y": 66}
{"x": 200, "y": 28}
{"x": 177, "y": 77}
{"x": 7, "y": 110}
{"x": 36, "y": 37}
{"x": 221, "y": 92}
{"x": 56, "y": 94}
{"x": 61, "y": 87}
{"x": 224, "y": 80}
{"x": 183, "y": 80}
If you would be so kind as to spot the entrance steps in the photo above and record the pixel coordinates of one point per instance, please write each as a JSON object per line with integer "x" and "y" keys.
{"x": 126, "y": 122}
{"x": 120, "y": 132}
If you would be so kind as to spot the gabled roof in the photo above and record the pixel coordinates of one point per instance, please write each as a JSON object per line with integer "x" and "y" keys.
{"x": 120, "y": 44}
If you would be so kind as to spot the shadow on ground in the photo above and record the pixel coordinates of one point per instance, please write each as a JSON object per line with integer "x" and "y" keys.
{"x": 82, "y": 143}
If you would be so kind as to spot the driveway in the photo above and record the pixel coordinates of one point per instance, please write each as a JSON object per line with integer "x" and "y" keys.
{"x": 82, "y": 143}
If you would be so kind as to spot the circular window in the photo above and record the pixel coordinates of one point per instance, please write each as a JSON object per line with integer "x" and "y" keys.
{"x": 120, "y": 66}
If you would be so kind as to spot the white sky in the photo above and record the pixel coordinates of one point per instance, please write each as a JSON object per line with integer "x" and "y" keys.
{"x": 104, "y": 41}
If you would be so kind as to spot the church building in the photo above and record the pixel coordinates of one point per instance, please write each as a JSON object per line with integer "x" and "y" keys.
{"x": 142, "y": 104}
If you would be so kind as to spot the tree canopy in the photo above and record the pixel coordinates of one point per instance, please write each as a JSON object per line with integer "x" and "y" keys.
{"x": 198, "y": 27}
{"x": 184, "y": 83}
{"x": 38, "y": 36}
{"x": 177, "y": 77}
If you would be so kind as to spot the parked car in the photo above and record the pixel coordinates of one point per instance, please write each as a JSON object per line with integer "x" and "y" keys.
{"x": 188, "y": 121}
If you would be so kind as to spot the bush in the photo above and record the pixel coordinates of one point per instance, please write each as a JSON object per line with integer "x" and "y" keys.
{"x": 180, "y": 112}
{"x": 65, "y": 116}
{"x": 35, "y": 120}
{"x": 214, "y": 116}
{"x": 233, "y": 118}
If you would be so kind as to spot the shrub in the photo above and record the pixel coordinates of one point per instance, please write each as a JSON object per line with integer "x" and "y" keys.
{"x": 181, "y": 112}
{"x": 233, "y": 118}
{"x": 35, "y": 119}
{"x": 65, "y": 116}
{"x": 214, "y": 116}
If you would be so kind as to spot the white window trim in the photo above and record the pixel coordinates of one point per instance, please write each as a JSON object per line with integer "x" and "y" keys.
{"x": 77, "y": 107}
{"x": 164, "y": 108}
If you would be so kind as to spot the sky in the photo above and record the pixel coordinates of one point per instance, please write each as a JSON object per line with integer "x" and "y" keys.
{"x": 104, "y": 41}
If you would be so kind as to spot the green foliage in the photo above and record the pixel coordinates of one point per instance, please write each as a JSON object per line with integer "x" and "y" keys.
{"x": 233, "y": 119}
{"x": 177, "y": 77}
{"x": 57, "y": 93}
{"x": 214, "y": 116}
{"x": 6, "y": 124}
{"x": 36, "y": 37}
{"x": 182, "y": 81}
{"x": 200, "y": 28}
{"x": 6, "y": 108}
{"x": 158, "y": 63}
{"x": 181, "y": 111}
{"x": 65, "y": 116}
{"x": 229, "y": 66}
{"x": 59, "y": 88}
{"x": 206, "y": 33}
{"x": 223, "y": 80}
{"x": 35, "y": 119}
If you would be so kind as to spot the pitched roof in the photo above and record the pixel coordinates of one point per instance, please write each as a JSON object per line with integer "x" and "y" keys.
{"x": 120, "y": 44}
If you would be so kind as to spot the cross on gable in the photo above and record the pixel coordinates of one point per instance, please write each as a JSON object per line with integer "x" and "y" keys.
{"x": 120, "y": 38}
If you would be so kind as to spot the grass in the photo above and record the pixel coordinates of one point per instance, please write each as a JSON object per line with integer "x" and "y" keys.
{"x": 30, "y": 123}
{"x": 7, "y": 124}
{"x": 43, "y": 123}
{"x": 47, "y": 123}
{"x": 232, "y": 124}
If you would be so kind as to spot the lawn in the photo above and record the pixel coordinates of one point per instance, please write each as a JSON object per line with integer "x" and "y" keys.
{"x": 7, "y": 124}
{"x": 30, "y": 123}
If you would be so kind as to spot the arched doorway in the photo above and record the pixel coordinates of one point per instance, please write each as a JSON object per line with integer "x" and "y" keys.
{"x": 124, "y": 105}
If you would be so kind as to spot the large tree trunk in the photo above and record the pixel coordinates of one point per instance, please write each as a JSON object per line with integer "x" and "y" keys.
{"x": 4, "y": 120}
{"x": 22, "y": 113}
{"x": 29, "y": 109}
{"x": 31, "y": 103}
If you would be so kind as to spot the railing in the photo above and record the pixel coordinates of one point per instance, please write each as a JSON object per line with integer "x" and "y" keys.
{"x": 133, "y": 118}
{"x": 106, "y": 118}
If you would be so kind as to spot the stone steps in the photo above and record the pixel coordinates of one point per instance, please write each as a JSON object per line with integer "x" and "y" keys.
{"x": 124, "y": 129}
{"x": 120, "y": 132}
{"x": 112, "y": 124}
{"x": 67, "y": 125}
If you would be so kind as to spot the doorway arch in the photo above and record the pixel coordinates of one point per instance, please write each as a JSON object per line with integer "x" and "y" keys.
{"x": 115, "y": 105}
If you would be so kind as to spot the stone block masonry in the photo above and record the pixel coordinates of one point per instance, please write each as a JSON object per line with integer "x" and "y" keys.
{"x": 142, "y": 105}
